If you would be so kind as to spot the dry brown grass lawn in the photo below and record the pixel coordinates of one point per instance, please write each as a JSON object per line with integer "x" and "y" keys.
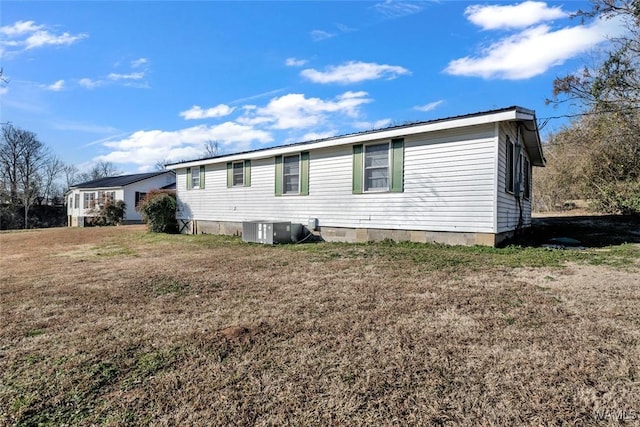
{"x": 113, "y": 326}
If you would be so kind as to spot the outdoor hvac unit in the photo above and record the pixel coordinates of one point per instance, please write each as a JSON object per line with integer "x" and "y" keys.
{"x": 268, "y": 232}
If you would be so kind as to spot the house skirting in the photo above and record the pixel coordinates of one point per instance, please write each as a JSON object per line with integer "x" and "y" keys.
{"x": 359, "y": 235}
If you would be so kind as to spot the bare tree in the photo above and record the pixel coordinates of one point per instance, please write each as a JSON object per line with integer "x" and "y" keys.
{"x": 22, "y": 156}
{"x": 70, "y": 175}
{"x": 211, "y": 148}
{"x": 104, "y": 169}
{"x": 53, "y": 168}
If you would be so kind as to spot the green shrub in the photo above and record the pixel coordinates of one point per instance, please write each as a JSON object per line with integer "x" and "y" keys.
{"x": 158, "y": 210}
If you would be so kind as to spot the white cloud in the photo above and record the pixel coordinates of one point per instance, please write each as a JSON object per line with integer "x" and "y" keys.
{"x": 313, "y": 136}
{"x": 90, "y": 83}
{"x": 130, "y": 76}
{"x": 492, "y": 17}
{"x": 428, "y": 107}
{"x": 378, "y": 124}
{"x": 196, "y": 112}
{"x": 392, "y": 9}
{"x": 318, "y": 35}
{"x": 25, "y": 35}
{"x": 353, "y": 72}
{"x": 145, "y": 148}
{"x": 20, "y": 28}
{"x": 137, "y": 63}
{"x": 534, "y": 50}
{"x": 295, "y": 111}
{"x": 3, "y": 90}
{"x": 293, "y": 62}
{"x": 55, "y": 87}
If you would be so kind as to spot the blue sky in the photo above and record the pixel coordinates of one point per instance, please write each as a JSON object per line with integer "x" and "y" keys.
{"x": 136, "y": 83}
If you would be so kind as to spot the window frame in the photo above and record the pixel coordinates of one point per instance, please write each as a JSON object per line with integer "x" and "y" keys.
{"x": 89, "y": 200}
{"x": 365, "y": 188}
{"x": 76, "y": 201}
{"x": 284, "y": 175}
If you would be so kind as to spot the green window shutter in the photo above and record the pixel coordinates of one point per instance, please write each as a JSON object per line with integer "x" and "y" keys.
{"x": 357, "y": 169}
{"x": 229, "y": 174}
{"x": 397, "y": 165}
{"x": 304, "y": 173}
{"x": 247, "y": 173}
{"x": 188, "y": 178}
{"x": 202, "y": 177}
{"x": 278, "y": 175}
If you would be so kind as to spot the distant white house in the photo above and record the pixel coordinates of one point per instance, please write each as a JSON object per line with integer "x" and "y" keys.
{"x": 458, "y": 180}
{"x": 83, "y": 199}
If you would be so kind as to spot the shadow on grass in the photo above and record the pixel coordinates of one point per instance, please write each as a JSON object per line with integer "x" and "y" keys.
{"x": 593, "y": 231}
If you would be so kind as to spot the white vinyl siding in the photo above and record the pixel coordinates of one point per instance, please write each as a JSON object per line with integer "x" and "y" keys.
{"x": 449, "y": 185}
{"x": 508, "y": 211}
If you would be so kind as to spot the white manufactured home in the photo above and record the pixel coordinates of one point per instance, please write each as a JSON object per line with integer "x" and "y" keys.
{"x": 459, "y": 180}
{"x": 84, "y": 199}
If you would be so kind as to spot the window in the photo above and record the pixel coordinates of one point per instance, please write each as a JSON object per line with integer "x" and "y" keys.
{"x": 379, "y": 167}
{"x": 510, "y": 165}
{"x": 292, "y": 174}
{"x": 526, "y": 174}
{"x": 195, "y": 178}
{"x": 89, "y": 200}
{"x": 376, "y": 167}
{"x": 76, "y": 201}
{"x": 139, "y": 196}
{"x": 238, "y": 173}
{"x": 106, "y": 196}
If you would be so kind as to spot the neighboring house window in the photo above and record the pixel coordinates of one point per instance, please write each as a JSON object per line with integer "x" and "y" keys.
{"x": 195, "y": 178}
{"x": 526, "y": 176}
{"x": 292, "y": 174}
{"x": 76, "y": 201}
{"x": 139, "y": 197}
{"x": 378, "y": 167}
{"x": 89, "y": 200}
{"x": 106, "y": 196}
{"x": 239, "y": 174}
{"x": 510, "y": 165}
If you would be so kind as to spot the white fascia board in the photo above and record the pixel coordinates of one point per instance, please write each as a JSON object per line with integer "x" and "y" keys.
{"x": 358, "y": 138}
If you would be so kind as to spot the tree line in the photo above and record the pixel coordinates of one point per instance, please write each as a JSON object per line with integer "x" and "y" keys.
{"x": 597, "y": 155}
{"x": 33, "y": 180}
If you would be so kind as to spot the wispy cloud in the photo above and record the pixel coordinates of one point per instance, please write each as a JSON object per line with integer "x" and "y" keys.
{"x": 293, "y": 62}
{"x": 26, "y": 35}
{"x": 392, "y": 9}
{"x": 130, "y": 76}
{"x": 55, "y": 87}
{"x": 83, "y": 127}
{"x": 428, "y": 107}
{"x": 140, "y": 62}
{"x": 90, "y": 83}
{"x": 533, "y": 51}
{"x": 319, "y": 35}
{"x": 493, "y": 17}
{"x": 197, "y": 112}
{"x": 378, "y": 124}
{"x": 258, "y": 96}
{"x": 353, "y": 72}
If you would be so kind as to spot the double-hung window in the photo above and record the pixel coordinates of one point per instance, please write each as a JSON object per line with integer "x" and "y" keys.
{"x": 376, "y": 167}
{"x": 291, "y": 174}
{"x": 379, "y": 167}
{"x": 238, "y": 173}
{"x": 195, "y": 178}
